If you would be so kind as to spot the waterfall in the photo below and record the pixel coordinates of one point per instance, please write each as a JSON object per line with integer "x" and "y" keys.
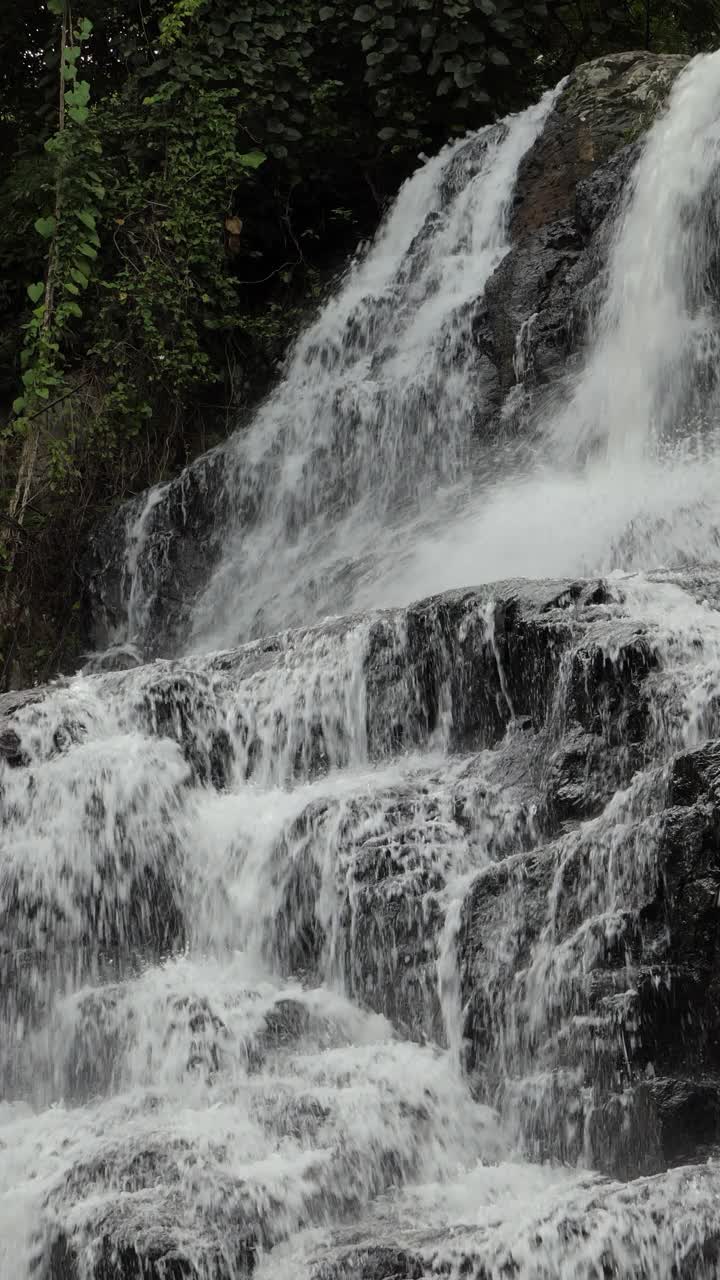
{"x": 372, "y": 938}
{"x": 652, "y": 369}
{"x": 377, "y": 410}
{"x": 629, "y": 458}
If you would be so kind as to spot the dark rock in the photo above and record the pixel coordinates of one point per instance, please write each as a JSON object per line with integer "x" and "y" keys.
{"x": 122, "y": 657}
{"x": 116, "y": 1258}
{"x": 606, "y": 104}
{"x": 11, "y": 750}
{"x": 640, "y": 1001}
{"x": 533, "y": 319}
{"x": 173, "y": 548}
{"x": 374, "y": 1262}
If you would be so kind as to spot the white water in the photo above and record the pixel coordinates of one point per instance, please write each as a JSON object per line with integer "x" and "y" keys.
{"x": 630, "y": 462}
{"x": 368, "y": 478}
{"x": 211, "y": 873}
{"x": 629, "y": 475}
{"x": 375, "y": 414}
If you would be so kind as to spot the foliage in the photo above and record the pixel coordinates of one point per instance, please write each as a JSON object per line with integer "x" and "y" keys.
{"x": 70, "y": 229}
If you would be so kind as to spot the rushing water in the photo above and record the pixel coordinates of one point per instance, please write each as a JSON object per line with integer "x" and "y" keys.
{"x": 374, "y": 416}
{"x": 233, "y": 889}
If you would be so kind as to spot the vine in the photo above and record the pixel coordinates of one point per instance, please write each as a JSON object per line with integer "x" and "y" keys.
{"x": 70, "y": 231}
{"x": 172, "y": 289}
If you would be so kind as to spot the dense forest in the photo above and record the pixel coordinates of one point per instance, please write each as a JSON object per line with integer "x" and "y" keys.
{"x": 180, "y": 181}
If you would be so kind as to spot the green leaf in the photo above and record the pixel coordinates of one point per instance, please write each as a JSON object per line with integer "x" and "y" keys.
{"x": 252, "y": 159}
{"x": 87, "y": 217}
{"x": 87, "y": 250}
{"x": 71, "y": 288}
{"x": 56, "y": 6}
{"x": 85, "y": 29}
{"x": 73, "y": 309}
{"x": 499, "y": 58}
{"x": 79, "y": 277}
{"x": 36, "y": 291}
{"x": 326, "y": 13}
{"x": 18, "y": 405}
{"x": 79, "y": 114}
{"x": 364, "y": 13}
{"x": 45, "y": 227}
{"x": 79, "y": 95}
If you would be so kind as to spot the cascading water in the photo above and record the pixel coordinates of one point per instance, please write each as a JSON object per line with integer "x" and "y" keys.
{"x": 630, "y": 461}
{"x": 375, "y": 413}
{"x": 349, "y": 953}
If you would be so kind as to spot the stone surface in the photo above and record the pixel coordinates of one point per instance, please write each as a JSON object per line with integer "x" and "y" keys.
{"x": 587, "y": 942}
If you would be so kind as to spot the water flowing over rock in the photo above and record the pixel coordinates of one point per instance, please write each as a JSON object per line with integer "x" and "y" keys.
{"x": 372, "y": 931}
{"x": 415, "y": 381}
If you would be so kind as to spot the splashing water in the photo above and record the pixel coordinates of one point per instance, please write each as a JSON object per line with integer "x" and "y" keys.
{"x": 376, "y": 411}
{"x": 296, "y": 963}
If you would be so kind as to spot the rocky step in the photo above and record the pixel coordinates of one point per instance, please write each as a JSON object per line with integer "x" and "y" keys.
{"x": 579, "y": 1226}
{"x": 465, "y": 665}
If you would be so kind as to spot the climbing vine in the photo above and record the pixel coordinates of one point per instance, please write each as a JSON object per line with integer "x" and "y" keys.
{"x": 70, "y": 232}
{"x": 172, "y": 289}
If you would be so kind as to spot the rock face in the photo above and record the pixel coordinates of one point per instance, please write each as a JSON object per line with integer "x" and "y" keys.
{"x": 149, "y": 561}
{"x": 568, "y": 193}
{"x": 160, "y": 546}
{"x": 498, "y": 824}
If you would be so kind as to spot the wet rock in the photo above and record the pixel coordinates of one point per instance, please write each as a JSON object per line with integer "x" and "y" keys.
{"x": 118, "y": 1256}
{"x": 11, "y": 750}
{"x": 606, "y": 104}
{"x": 374, "y": 1262}
{"x": 171, "y": 550}
{"x": 121, "y": 657}
{"x": 600, "y": 995}
{"x": 587, "y": 942}
{"x": 535, "y": 314}
{"x": 574, "y": 786}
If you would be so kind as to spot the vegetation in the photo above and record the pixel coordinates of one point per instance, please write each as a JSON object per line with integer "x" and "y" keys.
{"x": 180, "y": 178}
